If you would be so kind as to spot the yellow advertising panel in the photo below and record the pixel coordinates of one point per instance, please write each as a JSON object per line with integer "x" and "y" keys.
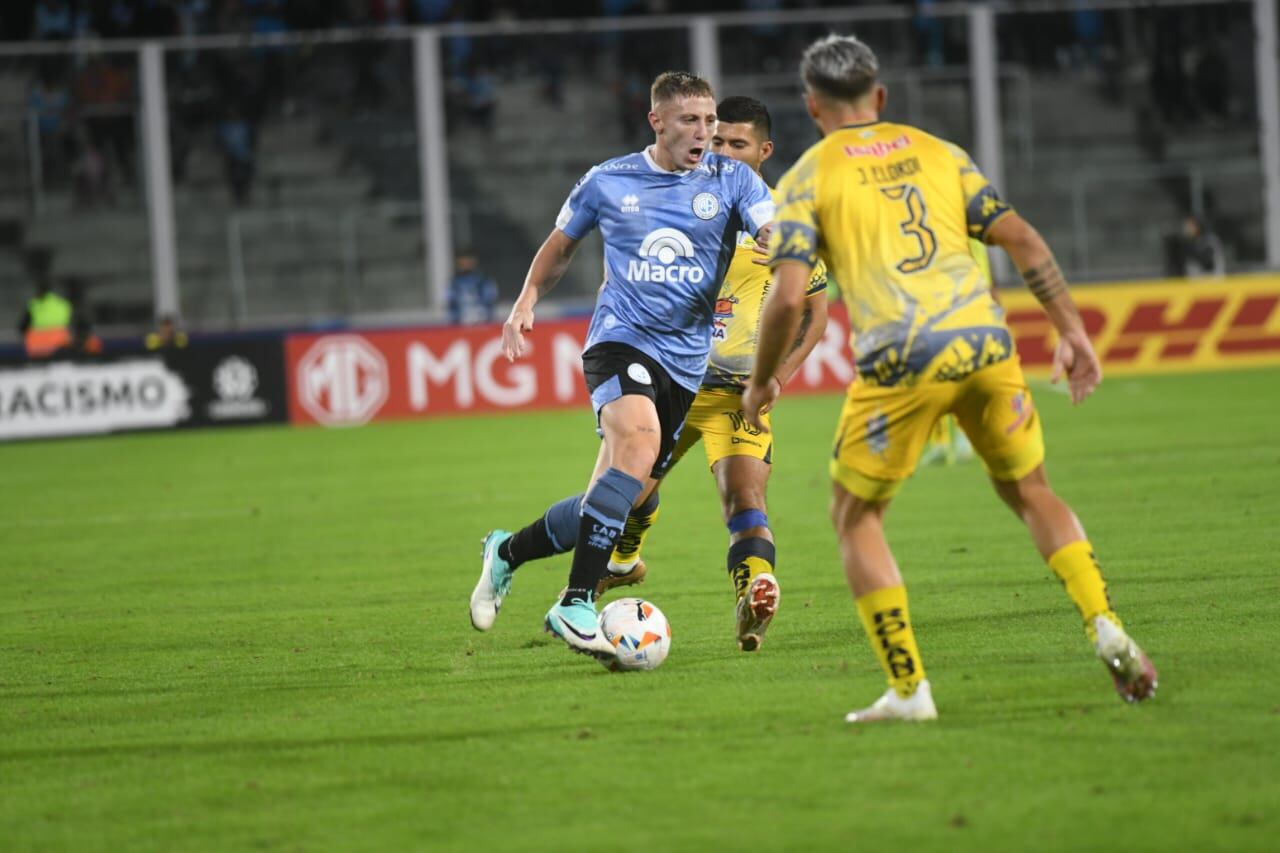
{"x": 1161, "y": 326}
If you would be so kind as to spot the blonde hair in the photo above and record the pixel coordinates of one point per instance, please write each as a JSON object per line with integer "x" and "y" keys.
{"x": 670, "y": 85}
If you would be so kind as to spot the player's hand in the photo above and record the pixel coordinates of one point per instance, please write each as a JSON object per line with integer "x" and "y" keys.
{"x": 519, "y": 322}
{"x": 757, "y": 400}
{"x": 1075, "y": 359}
{"x": 761, "y": 249}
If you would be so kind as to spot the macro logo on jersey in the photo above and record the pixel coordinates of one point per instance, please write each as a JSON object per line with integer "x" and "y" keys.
{"x": 660, "y": 249}
{"x": 342, "y": 380}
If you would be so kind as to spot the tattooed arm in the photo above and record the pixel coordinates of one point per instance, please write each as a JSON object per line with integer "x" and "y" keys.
{"x": 1074, "y": 356}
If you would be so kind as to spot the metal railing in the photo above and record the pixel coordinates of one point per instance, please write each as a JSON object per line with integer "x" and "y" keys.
{"x": 1086, "y": 179}
{"x": 440, "y": 224}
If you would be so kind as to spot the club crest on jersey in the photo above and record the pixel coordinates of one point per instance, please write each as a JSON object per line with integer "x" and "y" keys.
{"x": 705, "y": 206}
{"x": 660, "y": 249}
{"x": 639, "y": 373}
{"x": 631, "y": 203}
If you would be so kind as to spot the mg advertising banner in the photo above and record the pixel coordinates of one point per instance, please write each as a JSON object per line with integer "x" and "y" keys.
{"x": 346, "y": 379}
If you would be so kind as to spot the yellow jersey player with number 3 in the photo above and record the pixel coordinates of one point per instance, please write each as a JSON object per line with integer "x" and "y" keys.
{"x": 890, "y": 209}
{"x": 739, "y": 453}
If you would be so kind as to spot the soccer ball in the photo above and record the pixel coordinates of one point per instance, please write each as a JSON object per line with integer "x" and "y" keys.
{"x": 640, "y": 634}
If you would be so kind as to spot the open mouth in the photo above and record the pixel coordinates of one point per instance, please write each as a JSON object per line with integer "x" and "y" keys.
{"x": 696, "y": 153}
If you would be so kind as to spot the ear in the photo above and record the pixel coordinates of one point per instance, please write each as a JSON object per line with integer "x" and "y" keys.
{"x": 811, "y": 104}
{"x": 882, "y": 96}
{"x": 655, "y": 122}
{"x": 766, "y": 150}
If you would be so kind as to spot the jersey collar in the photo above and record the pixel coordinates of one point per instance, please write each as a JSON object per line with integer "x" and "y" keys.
{"x": 653, "y": 164}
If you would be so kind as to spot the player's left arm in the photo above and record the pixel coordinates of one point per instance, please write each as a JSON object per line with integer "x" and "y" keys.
{"x": 813, "y": 325}
{"x": 779, "y": 326}
{"x": 793, "y": 256}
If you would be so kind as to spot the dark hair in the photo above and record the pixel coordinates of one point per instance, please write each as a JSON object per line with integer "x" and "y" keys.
{"x": 678, "y": 84}
{"x": 739, "y": 109}
{"x": 839, "y": 67}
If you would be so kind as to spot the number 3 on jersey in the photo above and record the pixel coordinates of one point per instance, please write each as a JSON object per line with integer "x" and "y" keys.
{"x": 915, "y": 225}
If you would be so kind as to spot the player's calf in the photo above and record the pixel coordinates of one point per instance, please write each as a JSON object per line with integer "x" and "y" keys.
{"x": 751, "y": 569}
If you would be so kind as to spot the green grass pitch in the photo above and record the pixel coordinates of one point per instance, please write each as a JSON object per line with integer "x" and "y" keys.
{"x": 258, "y": 639}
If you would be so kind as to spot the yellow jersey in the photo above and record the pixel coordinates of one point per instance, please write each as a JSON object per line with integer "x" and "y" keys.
{"x": 891, "y": 209}
{"x": 735, "y": 331}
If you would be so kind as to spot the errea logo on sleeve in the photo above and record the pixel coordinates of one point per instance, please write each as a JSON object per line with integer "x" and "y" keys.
{"x": 661, "y": 249}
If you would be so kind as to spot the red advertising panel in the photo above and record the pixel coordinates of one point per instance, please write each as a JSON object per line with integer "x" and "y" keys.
{"x": 345, "y": 378}
{"x": 348, "y": 378}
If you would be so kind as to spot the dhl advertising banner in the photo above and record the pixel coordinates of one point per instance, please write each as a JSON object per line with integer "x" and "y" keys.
{"x": 1161, "y": 327}
{"x": 344, "y": 379}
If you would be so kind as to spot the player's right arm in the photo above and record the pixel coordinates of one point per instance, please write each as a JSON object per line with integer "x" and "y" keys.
{"x": 1074, "y": 356}
{"x": 548, "y": 267}
{"x": 578, "y": 216}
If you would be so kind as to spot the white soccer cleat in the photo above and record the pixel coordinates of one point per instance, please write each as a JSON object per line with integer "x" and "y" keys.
{"x": 756, "y": 610}
{"x": 494, "y": 583}
{"x": 891, "y": 706}
{"x": 1131, "y": 670}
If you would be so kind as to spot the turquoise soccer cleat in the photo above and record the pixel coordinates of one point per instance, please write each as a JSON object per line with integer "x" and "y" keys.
{"x": 494, "y": 583}
{"x": 578, "y": 624}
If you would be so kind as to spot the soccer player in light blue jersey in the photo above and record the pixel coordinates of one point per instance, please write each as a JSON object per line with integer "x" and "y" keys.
{"x": 669, "y": 217}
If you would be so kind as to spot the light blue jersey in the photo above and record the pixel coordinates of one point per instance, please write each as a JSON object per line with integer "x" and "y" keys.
{"x": 668, "y": 239}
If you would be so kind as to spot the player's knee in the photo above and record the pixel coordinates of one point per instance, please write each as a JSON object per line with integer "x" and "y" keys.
{"x": 848, "y": 511}
{"x": 739, "y": 501}
{"x": 635, "y": 452}
{"x": 1024, "y": 492}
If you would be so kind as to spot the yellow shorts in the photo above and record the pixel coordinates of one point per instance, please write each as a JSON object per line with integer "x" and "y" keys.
{"x": 883, "y": 429}
{"x": 716, "y": 418}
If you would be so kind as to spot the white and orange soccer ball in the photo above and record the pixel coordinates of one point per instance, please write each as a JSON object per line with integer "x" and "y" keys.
{"x": 640, "y": 634}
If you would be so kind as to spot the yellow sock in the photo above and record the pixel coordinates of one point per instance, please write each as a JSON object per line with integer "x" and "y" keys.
{"x": 747, "y": 558}
{"x": 888, "y": 626}
{"x": 1078, "y": 569}
{"x": 633, "y": 533}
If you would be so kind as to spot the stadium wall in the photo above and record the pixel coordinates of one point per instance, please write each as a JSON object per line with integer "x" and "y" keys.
{"x": 350, "y": 378}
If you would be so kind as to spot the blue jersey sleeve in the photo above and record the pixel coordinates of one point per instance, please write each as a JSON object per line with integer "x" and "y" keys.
{"x": 755, "y": 202}
{"x": 581, "y": 210}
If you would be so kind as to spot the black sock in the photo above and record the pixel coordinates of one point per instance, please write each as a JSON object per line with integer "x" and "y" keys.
{"x": 551, "y": 534}
{"x": 604, "y": 511}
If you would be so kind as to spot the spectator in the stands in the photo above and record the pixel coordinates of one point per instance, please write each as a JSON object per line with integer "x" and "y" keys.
{"x": 1196, "y": 251}
{"x": 104, "y": 96}
{"x": 48, "y": 102}
{"x": 473, "y": 295}
{"x": 237, "y": 140}
{"x": 54, "y": 20}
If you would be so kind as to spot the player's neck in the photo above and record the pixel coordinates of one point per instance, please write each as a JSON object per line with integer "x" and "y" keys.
{"x": 663, "y": 159}
{"x": 832, "y": 121}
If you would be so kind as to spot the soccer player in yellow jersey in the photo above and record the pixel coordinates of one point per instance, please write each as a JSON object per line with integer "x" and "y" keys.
{"x": 890, "y": 208}
{"x": 740, "y": 454}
